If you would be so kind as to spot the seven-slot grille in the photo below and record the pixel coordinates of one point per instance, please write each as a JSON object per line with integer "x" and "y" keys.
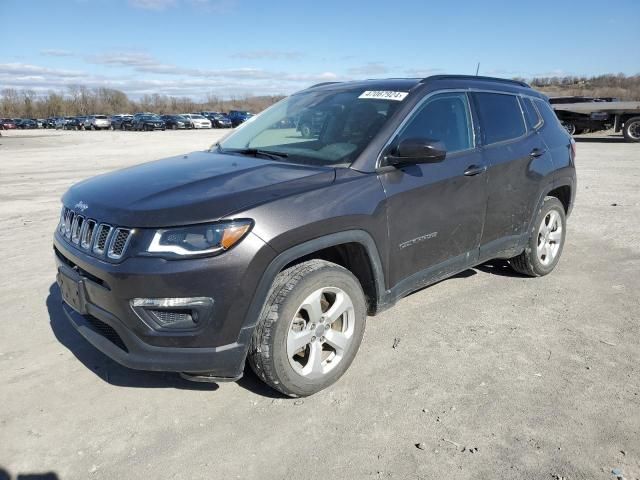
{"x": 91, "y": 235}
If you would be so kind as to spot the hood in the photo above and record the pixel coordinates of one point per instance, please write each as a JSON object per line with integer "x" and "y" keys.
{"x": 189, "y": 189}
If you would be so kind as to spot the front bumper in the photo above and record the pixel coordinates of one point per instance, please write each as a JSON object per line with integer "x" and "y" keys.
{"x": 218, "y": 346}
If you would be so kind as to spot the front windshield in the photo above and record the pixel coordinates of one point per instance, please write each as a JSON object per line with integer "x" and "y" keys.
{"x": 316, "y": 127}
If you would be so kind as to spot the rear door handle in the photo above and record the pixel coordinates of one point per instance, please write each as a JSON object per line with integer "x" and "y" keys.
{"x": 537, "y": 152}
{"x": 475, "y": 170}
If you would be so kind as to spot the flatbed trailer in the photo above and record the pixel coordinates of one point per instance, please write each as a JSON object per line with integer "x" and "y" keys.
{"x": 626, "y": 115}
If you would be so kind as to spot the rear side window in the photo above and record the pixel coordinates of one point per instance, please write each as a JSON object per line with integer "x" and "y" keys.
{"x": 444, "y": 117}
{"x": 547, "y": 112}
{"x": 500, "y": 117}
{"x": 530, "y": 113}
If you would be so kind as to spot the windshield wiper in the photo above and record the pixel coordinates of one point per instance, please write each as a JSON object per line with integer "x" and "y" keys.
{"x": 256, "y": 152}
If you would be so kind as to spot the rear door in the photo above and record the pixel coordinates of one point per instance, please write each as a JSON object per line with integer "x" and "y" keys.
{"x": 435, "y": 211}
{"x": 510, "y": 151}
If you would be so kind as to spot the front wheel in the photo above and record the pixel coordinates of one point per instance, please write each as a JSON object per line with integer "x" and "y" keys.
{"x": 631, "y": 129}
{"x": 545, "y": 242}
{"x": 310, "y": 328}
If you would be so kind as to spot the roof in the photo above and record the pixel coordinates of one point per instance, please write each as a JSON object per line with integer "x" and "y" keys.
{"x": 445, "y": 81}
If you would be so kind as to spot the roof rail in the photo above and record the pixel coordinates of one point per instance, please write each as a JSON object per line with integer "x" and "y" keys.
{"x": 321, "y": 84}
{"x": 475, "y": 77}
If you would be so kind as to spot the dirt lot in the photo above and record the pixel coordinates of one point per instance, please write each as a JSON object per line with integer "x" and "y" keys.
{"x": 494, "y": 375}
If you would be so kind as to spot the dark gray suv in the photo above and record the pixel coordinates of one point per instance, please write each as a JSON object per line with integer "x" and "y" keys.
{"x": 274, "y": 246}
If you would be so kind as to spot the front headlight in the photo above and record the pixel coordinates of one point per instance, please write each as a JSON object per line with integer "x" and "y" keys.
{"x": 199, "y": 240}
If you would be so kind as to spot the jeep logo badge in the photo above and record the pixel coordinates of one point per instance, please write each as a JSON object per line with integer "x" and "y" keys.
{"x": 81, "y": 206}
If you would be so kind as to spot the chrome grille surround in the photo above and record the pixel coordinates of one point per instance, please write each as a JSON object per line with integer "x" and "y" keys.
{"x": 99, "y": 239}
{"x": 102, "y": 236}
{"x": 119, "y": 242}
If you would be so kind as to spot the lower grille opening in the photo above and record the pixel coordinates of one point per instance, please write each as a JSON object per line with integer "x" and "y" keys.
{"x": 107, "y": 331}
{"x": 168, "y": 317}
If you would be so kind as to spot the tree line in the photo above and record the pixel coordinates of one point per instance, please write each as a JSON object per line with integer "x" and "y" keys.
{"x": 80, "y": 100}
{"x": 610, "y": 85}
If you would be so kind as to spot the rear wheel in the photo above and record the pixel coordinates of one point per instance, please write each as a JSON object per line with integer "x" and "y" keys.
{"x": 631, "y": 129}
{"x": 545, "y": 242}
{"x": 569, "y": 127}
{"x": 310, "y": 328}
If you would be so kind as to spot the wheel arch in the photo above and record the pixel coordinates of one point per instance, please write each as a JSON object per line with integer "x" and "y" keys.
{"x": 352, "y": 248}
{"x": 563, "y": 189}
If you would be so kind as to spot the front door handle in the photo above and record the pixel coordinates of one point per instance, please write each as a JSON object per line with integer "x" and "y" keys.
{"x": 537, "y": 152}
{"x": 475, "y": 170}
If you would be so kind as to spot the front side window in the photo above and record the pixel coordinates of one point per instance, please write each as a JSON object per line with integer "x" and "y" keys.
{"x": 445, "y": 118}
{"x": 321, "y": 127}
{"x": 500, "y": 117}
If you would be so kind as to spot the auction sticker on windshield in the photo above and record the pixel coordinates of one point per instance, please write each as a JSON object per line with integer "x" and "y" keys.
{"x": 384, "y": 95}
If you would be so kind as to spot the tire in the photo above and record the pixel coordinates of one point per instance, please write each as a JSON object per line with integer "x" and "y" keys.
{"x": 631, "y": 129}
{"x": 305, "y": 130}
{"x": 285, "y": 319}
{"x": 580, "y": 131}
{"x": 546, "y": 241}
{"x": 174, "y": 127}
{"x": 569, "y": 127}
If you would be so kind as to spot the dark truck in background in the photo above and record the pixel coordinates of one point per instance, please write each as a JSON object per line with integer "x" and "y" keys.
{"x": 582, "y": 114}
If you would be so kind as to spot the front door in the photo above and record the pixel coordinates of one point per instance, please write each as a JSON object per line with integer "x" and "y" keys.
{"x": 436, "y": 211}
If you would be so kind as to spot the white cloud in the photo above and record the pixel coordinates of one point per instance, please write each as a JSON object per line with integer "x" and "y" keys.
{"x": 152, "y": 4}
{"x": 268, "y": 55}
{"x": 371, "y": 68}
{"x": 52, "y": 52}
{"x": 210, "y": 6}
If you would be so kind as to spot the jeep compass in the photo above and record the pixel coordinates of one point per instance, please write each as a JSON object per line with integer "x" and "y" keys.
{"x": 274, "y": 246}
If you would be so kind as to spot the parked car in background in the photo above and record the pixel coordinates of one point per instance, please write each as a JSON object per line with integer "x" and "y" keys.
{"x": 175, "y": 122}
{"x": 27, "y": 124}
{"x": 217, "y": 119}
{"x": 49, "y": 123}
{"x": 576, "y": 123}
{"x": 197, "y": 120}
{"x": 7, "y": 124}
{"x": 311, "y": 121}
{"x": 147, "y": 122}
{"x": 73, "y": 123}
{"x": 238, "y": 116}
{"x": 97, "y": 122}
{"x": 121, "y": 122}
{"x": 81, "y": 120}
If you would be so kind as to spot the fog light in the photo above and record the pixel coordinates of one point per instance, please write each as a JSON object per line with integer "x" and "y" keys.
{"x": 173, "y": 313}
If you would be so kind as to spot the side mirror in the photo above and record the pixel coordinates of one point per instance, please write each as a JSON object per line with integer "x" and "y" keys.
{"x": 417, "y": 150}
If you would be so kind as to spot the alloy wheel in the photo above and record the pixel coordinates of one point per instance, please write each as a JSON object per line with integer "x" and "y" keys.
{"x": 320, "y": 332}
{"x": 549, "y": 237}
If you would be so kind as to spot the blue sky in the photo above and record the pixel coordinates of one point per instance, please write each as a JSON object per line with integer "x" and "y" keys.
{"x": 235, "y": 47}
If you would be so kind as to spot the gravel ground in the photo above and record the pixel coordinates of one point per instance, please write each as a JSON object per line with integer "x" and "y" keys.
{"x": 492, "y": 375}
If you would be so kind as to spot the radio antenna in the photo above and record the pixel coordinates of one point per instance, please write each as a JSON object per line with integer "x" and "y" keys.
{"x": 477, "y": 68}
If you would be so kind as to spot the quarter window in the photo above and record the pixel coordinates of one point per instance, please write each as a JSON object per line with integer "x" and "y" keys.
{"x": 530, "y": 113}
{"x": 445, "y": 118}
{"x": 500, "y": 117}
